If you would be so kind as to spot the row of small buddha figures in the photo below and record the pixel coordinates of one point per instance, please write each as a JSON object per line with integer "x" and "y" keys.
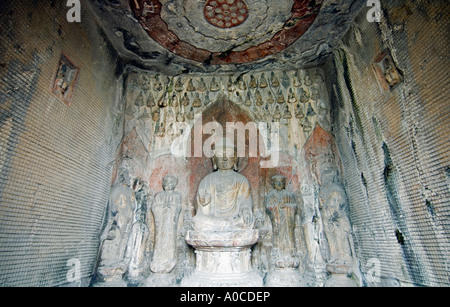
{"x": 256, "y": 98}
{"x": 166, "y": 125}
{"x": 223, "y": 205}
{"x": 155, "y": 83}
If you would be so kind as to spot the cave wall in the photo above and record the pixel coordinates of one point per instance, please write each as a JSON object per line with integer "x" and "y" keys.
{"x": 393, "y": 140}
{"x": 56, "y": 149}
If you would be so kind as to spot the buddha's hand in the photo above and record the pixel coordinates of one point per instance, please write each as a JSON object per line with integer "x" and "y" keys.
{"x": 204, "y": 199}
{"x": 247, "y": 215}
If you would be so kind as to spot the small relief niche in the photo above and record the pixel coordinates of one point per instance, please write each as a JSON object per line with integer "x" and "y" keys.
{"x": 65, "y": 80}
{"x": 388, "y": 75}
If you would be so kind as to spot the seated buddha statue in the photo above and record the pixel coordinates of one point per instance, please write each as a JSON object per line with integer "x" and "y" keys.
{"x": 223, "y": 199}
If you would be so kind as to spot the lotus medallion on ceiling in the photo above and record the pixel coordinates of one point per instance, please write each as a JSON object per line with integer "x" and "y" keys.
{"x": 225, "y": 13}
{"x": 220, "y": 32}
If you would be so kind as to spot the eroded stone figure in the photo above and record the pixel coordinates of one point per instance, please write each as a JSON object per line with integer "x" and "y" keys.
{"x": 314, "y": 266}
{"x": 121, "y": 207}
{"x": 223, "y": 198}
{"x": 111, "y": 268}
{"x": 166, "y": 210}
{"x": 336, "y": 226}
{"x": 138, "y": 248}
{"x": 391, "y": 74}
{"x": 281, "y": 206}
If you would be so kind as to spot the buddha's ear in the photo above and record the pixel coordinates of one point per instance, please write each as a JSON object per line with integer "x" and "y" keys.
{"x": 236, "y": 165}
{"x": 215, "y": 167}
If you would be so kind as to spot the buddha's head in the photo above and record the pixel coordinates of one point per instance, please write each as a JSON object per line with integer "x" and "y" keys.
{"x": 169, "y": 183}
{"x": 225, "y": 156}
{"x": 279, "y": 182}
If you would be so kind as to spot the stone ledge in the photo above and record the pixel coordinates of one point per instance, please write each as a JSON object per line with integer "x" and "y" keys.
{"x": 237, "y": 238}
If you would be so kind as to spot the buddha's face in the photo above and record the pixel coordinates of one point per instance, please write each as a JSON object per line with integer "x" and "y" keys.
{"x": 169, "y": 183}
{"x": 279, "y": 183}
{"x": 225, "y": 159}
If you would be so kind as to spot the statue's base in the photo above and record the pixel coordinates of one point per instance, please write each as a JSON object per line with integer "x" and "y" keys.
{"x": 110, "y": 284}
{"x": 340, "y": 272}
{"x": 111, "y": 276}
{"x": 202, "y": 279}
{"x": 315, "y": 275}
{"x": 284, "y": 278}
{"x": 160, "y": 280}
{"x": 340, "y": 281}
{"x": 223, "y": 259}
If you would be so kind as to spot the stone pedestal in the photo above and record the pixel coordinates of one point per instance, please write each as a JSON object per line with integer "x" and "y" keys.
{"x": 223, "y": 259}
{"x": 339, "y": 276}
{"x": 160, "y": 280}
{"x": 340, "y": 281}
{"x": 111, "y": 276}
{"x": 284, "y": 278}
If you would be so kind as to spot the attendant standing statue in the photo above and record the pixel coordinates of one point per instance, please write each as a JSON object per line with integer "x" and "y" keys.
{"x": 166, "y": 210}
{"x": 336, "y": 225}
{"x": 282, "y": 208}
{"x": 139, "y": 244}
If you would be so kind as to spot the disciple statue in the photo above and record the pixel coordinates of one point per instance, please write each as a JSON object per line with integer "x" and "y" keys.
{"x": 223, "y": 199}
{"x": 166, "y": 210}
{"x": 281, "y": 206}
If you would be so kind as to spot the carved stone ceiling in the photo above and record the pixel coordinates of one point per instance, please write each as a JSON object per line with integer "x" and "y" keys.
{"x": 229, "y": 36}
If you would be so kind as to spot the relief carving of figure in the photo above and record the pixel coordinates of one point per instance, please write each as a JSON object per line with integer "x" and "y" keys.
{"x": 337, "y": 229}
{"x": 138, "y": 248}
{"x": 223, "y": 199}
{"x": 121, "y": 207}
{"x": 282, "y": 208}
{"x": 166, "y": 210}
{"x": 223, "y": 231}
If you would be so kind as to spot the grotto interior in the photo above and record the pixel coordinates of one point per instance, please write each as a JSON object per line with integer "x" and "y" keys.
{"x": 224, "y": 143}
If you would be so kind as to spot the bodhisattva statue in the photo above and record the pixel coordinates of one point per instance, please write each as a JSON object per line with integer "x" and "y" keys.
{"x": 166, "y": 210}
{"x": 337, "y": 229}
{"x": 119, "y": 219}
{"x": 282, "y": 208}
{"x": 138, "y": 248}
{"x": 223, "y": 199}
{"x": 223, "y": 231}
